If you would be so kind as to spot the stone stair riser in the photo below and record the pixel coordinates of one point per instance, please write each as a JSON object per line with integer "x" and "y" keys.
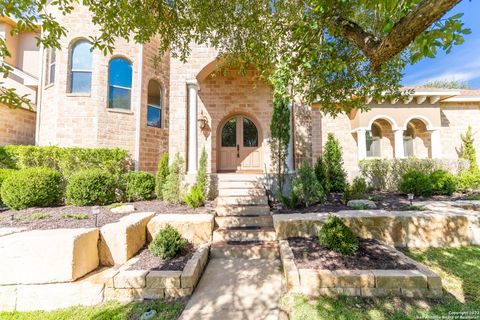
{"x": 244, "y": 221}
{"x": 242, "y": 200}
{"x": 244, "y": 235}
{"x": 242, "y": 210}
{"x": 245, "y": 253}
{"x": 241, "y": 192}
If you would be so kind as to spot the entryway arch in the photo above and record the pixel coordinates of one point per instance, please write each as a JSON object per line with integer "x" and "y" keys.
{"x": 239, "y": 142}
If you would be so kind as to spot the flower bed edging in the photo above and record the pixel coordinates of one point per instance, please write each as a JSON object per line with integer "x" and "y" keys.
{"x": 367, "y": 283}
{"x": 136, "y": 285}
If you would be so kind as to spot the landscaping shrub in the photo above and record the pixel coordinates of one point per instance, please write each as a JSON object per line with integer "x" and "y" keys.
{"x": 167, "y": 243}
{"x": 306, "y": 186}
{"x": 139, "y": 185}
{"x": 91, "y": 187}
{"x": 358, "y": 190}
{"x": 198, "y": 192}
{"x": 337, "y": 236}
{"x": 162, "y": 173}
{"x": 4, "y": 173}
{"x": 416, "y": 182}
{"x": 321, "y": 173}
{"x": 443, "y": 182}
{"x": 172, "y": 189}
{"x": 469, "y": 180}
{"x": 33, "y": 187}
{"x": 332, "y": 157}
{"x": 65, "y": 160}
{"x": 291, "y": 202}
{"x": 468, "y": 149}
{"x": 377, "y": 172}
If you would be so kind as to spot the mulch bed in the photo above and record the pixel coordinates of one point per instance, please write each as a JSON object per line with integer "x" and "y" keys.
{"x": 147, "y": 261}
{"x": 310, "y": 254}
{"x": 56, "y": 219}
{"x": 384, "y": 200}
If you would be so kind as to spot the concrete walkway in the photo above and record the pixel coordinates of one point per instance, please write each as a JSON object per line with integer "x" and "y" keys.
{"x": 233, "y": 289}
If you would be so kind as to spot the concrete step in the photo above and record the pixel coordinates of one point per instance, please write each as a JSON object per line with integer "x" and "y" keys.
{"x": 244, "y": 221}
{"x": 241, "y": 192}
{"x": 223, "y": 211}
{"x": 244, "y": 234}
{"x": 241, "y": 200}
{"x": 239, "y": 185}
{"x": 245, "y": 250}
{"x": 239, "y": 177}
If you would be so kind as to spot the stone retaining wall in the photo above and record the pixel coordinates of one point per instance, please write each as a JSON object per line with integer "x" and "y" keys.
{"x": 397, "y": 228}
{"x": 196, "y": 227}
{"x": 366, "y": 283}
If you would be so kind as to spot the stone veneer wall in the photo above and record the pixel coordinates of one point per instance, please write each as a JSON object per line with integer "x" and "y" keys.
{"x": 17, "y": 126}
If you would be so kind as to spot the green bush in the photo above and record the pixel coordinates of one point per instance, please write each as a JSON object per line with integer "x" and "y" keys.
{"x": 33, "y": 187}
{"x": 162, "y": 173}
{"x": 321, "y": 173}
{"x": 337, "y": 236}
{"x": 416, "y": 182}
{"x": 195, "y": 198}
{"x": 4, "y": 173}
{"x": 377, "y": 172}
{"x": 291, "y": 202}
{"x": 172, "y": 189}
{"x": 91, "y": 187}
{"x": 332, "y": 157}
{"x": 469, "y": 180}
{"x": 358, "y": 190}
{"x": 138, "y": 185}
{"x": 468, "y": 149}
{"x": 443, "y": 182}
{"x": 167, "y": 243}
{"x": 65, "y": 160}
{"x": 306, "y": 186}
{"x": 198, "y": 192}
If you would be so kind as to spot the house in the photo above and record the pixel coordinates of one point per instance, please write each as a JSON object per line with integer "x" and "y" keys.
{"x": 126, "y": 100}
{"x": 17, "y": 126}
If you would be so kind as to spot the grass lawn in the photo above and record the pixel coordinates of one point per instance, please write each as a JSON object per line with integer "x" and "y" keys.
{"x": 459, "y": 269}
{"x": 108, "y": 311}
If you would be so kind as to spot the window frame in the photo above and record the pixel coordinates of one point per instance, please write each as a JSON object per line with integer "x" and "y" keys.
{"x": 72, "y": 70}
{"x": 50, "y": 76}
{"x": 376, "y": 140}
{"x": 109, "y": 85}
{"x": 158, "y": 107}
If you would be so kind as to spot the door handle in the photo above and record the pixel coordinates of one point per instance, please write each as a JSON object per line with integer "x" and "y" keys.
{"x": 238, "y": 151}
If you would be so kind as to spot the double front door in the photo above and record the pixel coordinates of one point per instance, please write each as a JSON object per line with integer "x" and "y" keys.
{"x": 240, "y": 145}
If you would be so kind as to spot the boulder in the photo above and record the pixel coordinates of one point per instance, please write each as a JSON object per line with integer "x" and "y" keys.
{"x": 196, "y": 228}
{"x": 362, "y": 202}
{"x": 48, "y": 256}
{"x": 119, "y": 241}
{"x": 124, "y": 209}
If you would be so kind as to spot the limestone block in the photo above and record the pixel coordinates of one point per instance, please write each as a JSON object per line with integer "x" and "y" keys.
{"x": 317, "y": 278}
{"x": 474, "y": 225}
{"x": 174, "y": 292}
{"x": 130, "y": 279}
{"x": 124, "y": 295}
{"x": 379, "y": 292}
{"x": 196, "y": 228}
{"x": 438, "y": 231}
{"x": 163, "y": 279}
{"x": 354, "y": 278}
{"x": 47, "y": 256}
{"x": 362, "y": 202}
{"x": 121, "y": 240}
{"x": 193, "y": 269}
{"x": 124, "y": 209}
{"x": 7, "y": 231}
{"x": 405, "y": 279}
{"x": 389, "y": 229}
{"x": 298, "y": 224}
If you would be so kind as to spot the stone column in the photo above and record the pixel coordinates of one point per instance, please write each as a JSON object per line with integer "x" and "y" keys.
{"x": 192, "y": 88}
{"x": 399, "y": 147}
{"x": 361, "y": 144}
{"x": 290, "y": 155}
{"x": 436, "y": 144}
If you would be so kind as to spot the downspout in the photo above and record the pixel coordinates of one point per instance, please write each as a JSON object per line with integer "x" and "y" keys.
{"x": 39, "y": 96}
{"x": 139, "y": 109}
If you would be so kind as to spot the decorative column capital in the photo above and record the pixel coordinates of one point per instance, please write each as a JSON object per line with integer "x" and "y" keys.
{"x": 192, "y": 83}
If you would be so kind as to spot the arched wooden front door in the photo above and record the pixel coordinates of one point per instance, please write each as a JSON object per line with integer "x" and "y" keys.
{"x": 240, "y": 141}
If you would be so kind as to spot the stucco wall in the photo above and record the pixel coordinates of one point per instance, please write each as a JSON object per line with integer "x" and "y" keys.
{"x": 17, "y": 126}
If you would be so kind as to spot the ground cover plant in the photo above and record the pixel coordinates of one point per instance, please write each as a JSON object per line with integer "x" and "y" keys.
{"x": 108, "y": 311}
{"x": 459, "y": 269}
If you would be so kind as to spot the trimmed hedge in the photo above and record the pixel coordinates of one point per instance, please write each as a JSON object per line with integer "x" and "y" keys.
{"x": 416, "y": 182}
{"x": 33, "y": 187}
{"x": 443, "y": 183}
{"x": 4, "y": 174}
{"x": 65, "y": 160}
{"x": 139, "y": 185}
{"x": 91, "y": 187}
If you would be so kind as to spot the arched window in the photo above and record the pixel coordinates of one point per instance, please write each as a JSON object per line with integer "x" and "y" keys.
{"x": 81, "y": 67}
{"x": 119, "y": 84}
{"x": 373, "y": 138}
{"x": 408, "y": 136}
{"x": 154, "y": 104}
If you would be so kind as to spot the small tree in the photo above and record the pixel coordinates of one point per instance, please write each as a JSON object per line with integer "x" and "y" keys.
{"x": 335, "y": 173}
{"x": 321, "y": 173}
{"x": 306, "y": 186}
{"x": 172, "y": 189}
{"x": 162, "y": 173}
{"x": 468, "y": 148}
{"x": 280, "y": 137}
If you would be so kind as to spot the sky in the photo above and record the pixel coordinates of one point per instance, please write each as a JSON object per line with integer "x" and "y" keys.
{"x": 463, "y": 62}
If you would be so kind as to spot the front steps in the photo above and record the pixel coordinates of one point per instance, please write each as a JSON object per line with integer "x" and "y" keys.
{"x": 244, "y": 224}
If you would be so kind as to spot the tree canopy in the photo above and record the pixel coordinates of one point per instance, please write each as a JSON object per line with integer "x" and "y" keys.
{"x": 334, "y": 52}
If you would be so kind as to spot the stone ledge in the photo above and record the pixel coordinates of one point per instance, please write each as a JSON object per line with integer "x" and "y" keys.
{"x": 197, "y": 228}
{"x": 368, "y": 283}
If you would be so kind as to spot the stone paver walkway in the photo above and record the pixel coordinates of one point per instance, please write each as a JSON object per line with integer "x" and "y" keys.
{"x": 237, "y": 289}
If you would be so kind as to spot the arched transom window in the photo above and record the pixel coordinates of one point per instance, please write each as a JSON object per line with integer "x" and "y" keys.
{"x": 120, "y": 84}
{"x": 81, "y": 67}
